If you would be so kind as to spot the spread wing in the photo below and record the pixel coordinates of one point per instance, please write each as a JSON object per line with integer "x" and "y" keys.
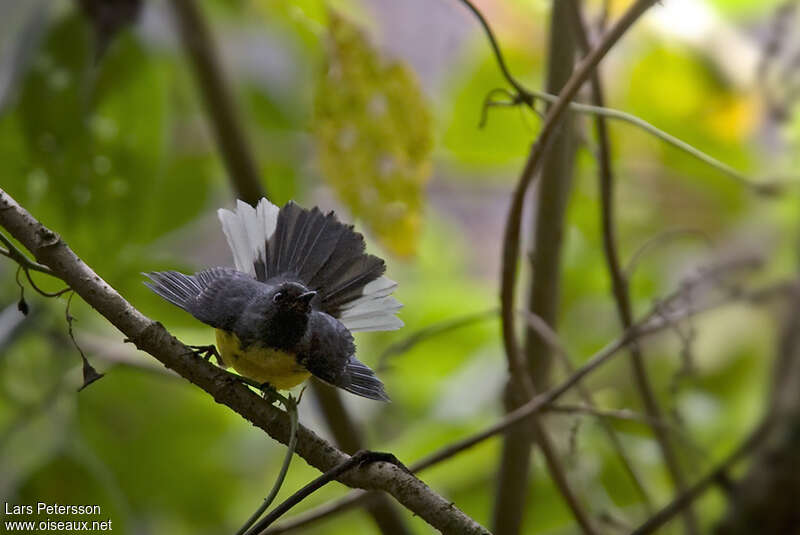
{"x": 321, "y": 252}
{"x": 202, "y": 294}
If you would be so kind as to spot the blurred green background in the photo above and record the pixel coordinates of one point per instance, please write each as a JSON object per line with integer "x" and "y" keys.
{"x": 371, "y": 108}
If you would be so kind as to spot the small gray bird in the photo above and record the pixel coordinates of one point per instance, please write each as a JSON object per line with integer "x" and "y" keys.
{"x": 302, "y": 283}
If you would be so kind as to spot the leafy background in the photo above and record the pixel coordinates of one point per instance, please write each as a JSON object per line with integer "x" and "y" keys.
{"x": 372, "y": 108}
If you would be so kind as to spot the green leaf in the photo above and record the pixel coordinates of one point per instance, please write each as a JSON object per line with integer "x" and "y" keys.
{"x": 99, "y": 151}
{"x": 373, "y": 131}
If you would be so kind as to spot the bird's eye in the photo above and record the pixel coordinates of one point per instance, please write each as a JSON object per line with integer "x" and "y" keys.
{"x": 278, "y": 297}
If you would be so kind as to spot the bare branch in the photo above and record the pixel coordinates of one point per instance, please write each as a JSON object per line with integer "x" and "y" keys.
{"x": 360, "y": 458}
{"x": 686, "y": 498}
{"x": 551, "y": 337}
{"x": 658, "y": 239}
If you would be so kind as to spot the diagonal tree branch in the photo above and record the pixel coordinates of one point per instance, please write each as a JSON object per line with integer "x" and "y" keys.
{"x": 551, "y": 338}
{"x": 151, "y": 337}
{"x": 717, "y": 475}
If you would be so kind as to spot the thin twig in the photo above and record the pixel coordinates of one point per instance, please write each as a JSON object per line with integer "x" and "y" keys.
{"x": 90, "y": 375}
{"x": 358, "y": 459}
{"x": 290, "y": 406}
{"x": 43, "y": 292}
{"x": 612, "y": 414}
{"x": 524, "y": 94}
{"x": 660, "y": 238}
{"x": 604, "y": 415}
{"x": 490, "y": 102}
{"x": 13, "y": 252}
{"x": 552, "y": 338}
{"x": 529, "y": 97}
{"x": 27, "y": 265}
{"x": 430, "y": 331}
{"x": 686, "y": 498}
{"x": 353, "y": 499}
{"x": 759, "y": 187}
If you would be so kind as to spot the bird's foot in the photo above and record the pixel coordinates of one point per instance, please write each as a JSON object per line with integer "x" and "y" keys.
{"x": 206, "y": 352}
{"x": 269, "y": 392}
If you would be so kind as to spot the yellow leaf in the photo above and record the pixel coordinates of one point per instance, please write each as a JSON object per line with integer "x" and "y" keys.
{"x": 373, "y": 133}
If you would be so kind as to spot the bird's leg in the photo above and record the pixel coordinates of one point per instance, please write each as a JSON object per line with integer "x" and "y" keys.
{"x": 270, "y": 393}
{"x": 206, "y": 352}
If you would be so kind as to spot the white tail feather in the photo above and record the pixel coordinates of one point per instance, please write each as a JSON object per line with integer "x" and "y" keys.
{"x": 375, "y": 310}
{"x": 247, "y": 231}
{"x": 383, "y": 322}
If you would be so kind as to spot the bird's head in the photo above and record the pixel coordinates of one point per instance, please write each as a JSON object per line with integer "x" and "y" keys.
{"x": 283, "y": 314}
{"x": 291, "y": 298}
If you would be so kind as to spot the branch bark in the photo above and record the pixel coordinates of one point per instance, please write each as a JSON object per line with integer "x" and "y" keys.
{"x": 349, "y": 439}
{"x": 150, "y": 336}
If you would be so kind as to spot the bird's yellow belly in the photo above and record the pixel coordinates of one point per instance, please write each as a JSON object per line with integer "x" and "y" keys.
{"x": 278, "y": 368}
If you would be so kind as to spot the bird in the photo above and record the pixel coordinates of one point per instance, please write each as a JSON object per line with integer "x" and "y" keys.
{"x": 301, "y": 284}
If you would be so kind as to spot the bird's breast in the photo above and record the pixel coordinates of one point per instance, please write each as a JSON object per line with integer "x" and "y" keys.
{"x": 277, "y": 367}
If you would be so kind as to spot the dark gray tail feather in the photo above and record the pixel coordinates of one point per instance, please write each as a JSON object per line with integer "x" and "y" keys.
{"x": 177, "y": 288}
{"x": 361, "y": 381}
{"x": 323, "y": 253}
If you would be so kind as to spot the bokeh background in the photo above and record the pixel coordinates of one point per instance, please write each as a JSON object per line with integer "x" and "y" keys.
{"x": 372, "y": 108}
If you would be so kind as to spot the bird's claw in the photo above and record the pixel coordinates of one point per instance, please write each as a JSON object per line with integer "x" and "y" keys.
{"x": 206, "y": 352}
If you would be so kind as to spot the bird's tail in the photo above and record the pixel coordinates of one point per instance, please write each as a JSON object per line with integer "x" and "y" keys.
{"x": 321, "y": 252}
{"x": 360, "y": 380}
